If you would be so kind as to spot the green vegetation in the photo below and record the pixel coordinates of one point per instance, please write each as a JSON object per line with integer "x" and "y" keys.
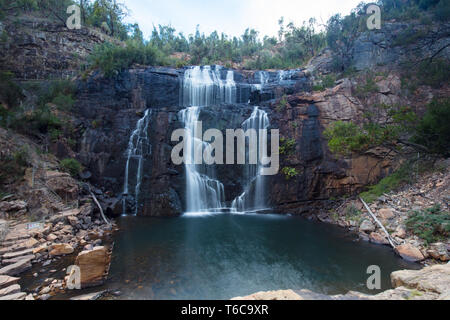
{"x": 287, "y": 146}
{"x": 325, "y": 82}
{"x": 433, "y": 130}
{"x": 112, "y": 59}
{"x": 289, "y": 172}
{"x": 402, "y": 176}
{"x": 12, "y": 166}
{"x": 107, "y": 15}
{"x": 282, "y": 104}
{"x": 71, "y": 166}
{"x": 430, "y": 135}
{"x": 432, "y": 225}
{"x": 353, "y": 214}
{"x": 366, "y": 86}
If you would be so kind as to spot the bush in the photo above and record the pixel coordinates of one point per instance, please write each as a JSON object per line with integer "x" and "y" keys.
{"x": 346, "y": 137}
{"x": 392, "y": 182}
{"x": 10, "y": 93}
{"x": 71, "y": 166}
{"x": 12, "y": 167}
{"x": 433, "y": 130}
{"x": 432, "y": 225}
{"x": 112, "y": 59}
{"x": 289, "y": 172}
{"x": 287, "y": 146}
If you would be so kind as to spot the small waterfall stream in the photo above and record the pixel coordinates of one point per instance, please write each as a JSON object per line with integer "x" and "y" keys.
{"x": 254, "y": 194}
{"x": 138, "y": 148}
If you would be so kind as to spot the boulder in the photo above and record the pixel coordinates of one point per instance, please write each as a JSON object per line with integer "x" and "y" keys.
{"x": 61, "y": 249}
{"x": 410, "y": 253}
{"x": 367, "y": 226}
{"x": 386, "y": 214}
{"x": 430, "y": 279}
{"x": 439, "y": 251}
{"x": 378, "y": 239}
{"x": 93, "y": 266}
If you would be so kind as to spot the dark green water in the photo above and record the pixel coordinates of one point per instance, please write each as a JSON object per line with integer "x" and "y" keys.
{"x": 224, "y": 256}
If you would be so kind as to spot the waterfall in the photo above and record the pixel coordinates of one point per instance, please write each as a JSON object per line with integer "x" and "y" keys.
{"x": 263, "y": 78}
{"x": 203, "y": 193}
{"x": 203, "y": 87}
{"x": 138, "y": 148}
{"x": 254, "y": 194}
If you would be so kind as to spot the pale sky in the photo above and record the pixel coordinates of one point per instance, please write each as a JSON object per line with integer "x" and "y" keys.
{"x": 231, "y": 16}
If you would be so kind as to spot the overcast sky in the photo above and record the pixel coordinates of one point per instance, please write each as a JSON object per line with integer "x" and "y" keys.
{"x": 231, "y": 16}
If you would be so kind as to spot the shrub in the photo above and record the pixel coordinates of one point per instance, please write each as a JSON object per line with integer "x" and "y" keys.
{"x": 289, "y": 172}
{"x": 71, "y": 166}
{"x": 432, "y": 225}
{"x": 112, "y": 59}
{"x": 10, "y": 93}
{"x": 433, "y": 130}
{"x": 392, "y": 182}
{"x": 346, "y": 137}
{"x": 287, "y": 146}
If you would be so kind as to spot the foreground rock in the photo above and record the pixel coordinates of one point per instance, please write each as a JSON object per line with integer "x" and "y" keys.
{"x": 93, "y": 264}
{"x": 410, "y": 253}
{"x": 430, "y": 283}
{"x": 434, "y": 279}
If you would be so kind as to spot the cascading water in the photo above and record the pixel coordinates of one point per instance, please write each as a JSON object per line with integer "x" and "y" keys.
{"x": 203, "y": 87}
{"x": 138, "y": 148}
{"x": 254, "y": 194}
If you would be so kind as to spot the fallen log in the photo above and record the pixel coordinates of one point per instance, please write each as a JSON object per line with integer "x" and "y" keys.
{"x": 391, "y": 241}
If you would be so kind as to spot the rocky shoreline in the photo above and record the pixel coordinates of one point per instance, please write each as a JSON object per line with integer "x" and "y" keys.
{"x": 393, "y": 210}
{"x": 430, "y": 283}
{"x": 78, "y": 233}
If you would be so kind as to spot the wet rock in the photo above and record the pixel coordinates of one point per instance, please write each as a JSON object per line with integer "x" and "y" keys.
{"x": 377, "y": 238}
{"x": 410, "y": 253}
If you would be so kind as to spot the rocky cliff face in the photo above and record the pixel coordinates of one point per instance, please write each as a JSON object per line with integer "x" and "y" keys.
{"x": 109, "y": 109}
{"x": 43, "y": 49}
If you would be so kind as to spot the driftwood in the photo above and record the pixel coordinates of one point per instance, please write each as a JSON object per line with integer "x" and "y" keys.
{"x": 391, "y": 241}
{"x": 99, "y": 207}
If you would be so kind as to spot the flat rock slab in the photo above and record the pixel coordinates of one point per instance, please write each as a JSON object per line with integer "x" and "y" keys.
{"x": 16, "y": 268}
{"x": 11, "y": 255}
{"x": 15, "y": 288}
{"x": 15, "y": 296}
{"x": 89, "y": 296}
{"x": 6, "y": 281}
{"x": 17, "y": 259}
